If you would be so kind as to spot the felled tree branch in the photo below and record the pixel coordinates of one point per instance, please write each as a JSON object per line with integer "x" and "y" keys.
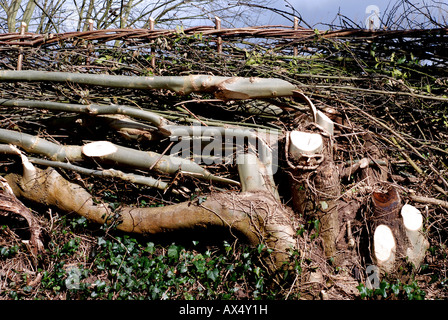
{"x": 255, "y": 217}
{"x": 427, "y": 200}
{"x": 108, "y": 173}
{"x": 111, "y": 153}
{"x": 35, "y": 144}
{"x": 225, "y": 88}
{"x": 91, "y": 109}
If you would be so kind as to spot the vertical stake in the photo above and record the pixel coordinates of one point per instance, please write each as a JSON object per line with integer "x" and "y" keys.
{"x": 296, "y": 27}
{"x": 218, "y": 27}
{"x": 153, "y": 55}
{"x": 20, "y": 58}
{"x": 89, "y": 44}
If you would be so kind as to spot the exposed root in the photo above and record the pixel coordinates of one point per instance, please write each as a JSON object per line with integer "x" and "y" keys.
{"x": 10, "y": 204}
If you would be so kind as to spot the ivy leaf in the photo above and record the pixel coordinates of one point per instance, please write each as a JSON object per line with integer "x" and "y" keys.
{"x": 199, "y": 263}
{"x": 408, "y": 289}
{"x": 364, "y": 291}
{"x": 257, "y": 271}
{"x": 382, "y": 290}
{"x": 150, "y": 247}
{"x": 101, "y": 241}
{"x": 396, "y": 288}
{"x": 213, "y": 274}
{"x": 173, "y": 252}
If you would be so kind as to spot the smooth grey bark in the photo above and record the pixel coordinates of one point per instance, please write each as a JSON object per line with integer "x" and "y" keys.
{"x": 226, "y": 88}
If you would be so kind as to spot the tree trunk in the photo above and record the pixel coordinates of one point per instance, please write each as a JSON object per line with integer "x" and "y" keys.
{"x": 315, "y": 184}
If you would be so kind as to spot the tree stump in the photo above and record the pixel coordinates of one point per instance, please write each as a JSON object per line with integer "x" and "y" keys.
{"x": 387, "y": 227}
{"x": 398, "y": 236}
{"x": 315, "y": 183}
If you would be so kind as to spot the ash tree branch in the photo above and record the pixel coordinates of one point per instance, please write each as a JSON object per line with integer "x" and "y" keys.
{"x": 109, "y": 153}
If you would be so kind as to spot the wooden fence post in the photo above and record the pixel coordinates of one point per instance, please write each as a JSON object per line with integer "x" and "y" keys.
{"x": 219, "y": 40}
{"x": 20, "y": 58}
{"x": 296, "y": 27}
{"x": 89, "y": 43}
{"x": 153, "y": 55}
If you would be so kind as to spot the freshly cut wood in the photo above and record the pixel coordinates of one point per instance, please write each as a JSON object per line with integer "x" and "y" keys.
{"x": 316, "y": 186}
{"x": 325, "y": 123}
{"x": 384, "y": 247}
{"x": 388, "y": 237}
{"x": 254, "y": 175}
{"x": 304, "y": 143}
{"x": 412, "y": 218}
{"x": 396, "y": 235}
{"x": 29, "y": 172}
{"x": 99, "y": 149}
{"x": 319, "y": 118}
{"x": 108, "y": 152}
{"x": 413, "y": 223}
